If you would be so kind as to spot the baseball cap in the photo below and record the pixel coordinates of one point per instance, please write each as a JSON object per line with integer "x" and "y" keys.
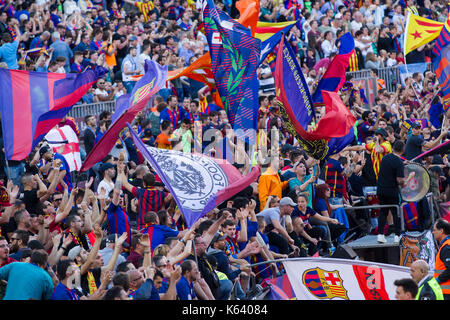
{"x": 218, "y": 236}
{"x": 43, "y": 150}
{"x": 106, "y": 166}
{"x": 147, "y": 132}
{"x": 132, "y": 38}
{"x": 416, "y": 125}
{"x": 286, "y": 201}
{"x": 73, "y": 253}
{"x": 112, "y": 239}
{"x": 382, "y": 132}
{"x": 438, "y": 170}
{"x": 4, "y": 197}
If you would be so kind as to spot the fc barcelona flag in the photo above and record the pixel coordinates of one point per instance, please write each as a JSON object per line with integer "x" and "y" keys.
{"x": 32, "y": 103}
{"x": 197, "y": 183}
{"x": 441, "y": 62}
{"x": 153, "y": 80}
{"x": 234, "y": 60}
{"x": 334, "y": 77}
{"x": 297, "y": 109}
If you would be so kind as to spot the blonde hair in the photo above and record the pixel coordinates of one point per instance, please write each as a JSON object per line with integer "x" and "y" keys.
{"x": 162, "y": 249}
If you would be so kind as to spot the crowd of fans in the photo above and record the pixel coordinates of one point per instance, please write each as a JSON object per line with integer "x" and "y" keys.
{"x": 298, "y": 207}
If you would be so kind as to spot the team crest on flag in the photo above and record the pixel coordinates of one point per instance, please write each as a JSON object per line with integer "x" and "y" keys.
{"x": 142, "y": 92}
{"x": 324, "y": 284}
{"x": 194, "y": 178}
{"x": 216, "y": 38}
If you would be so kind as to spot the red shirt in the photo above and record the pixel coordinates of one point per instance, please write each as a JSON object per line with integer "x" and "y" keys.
{"x": 134, "y": 258}
{"x": 8, "y": 261}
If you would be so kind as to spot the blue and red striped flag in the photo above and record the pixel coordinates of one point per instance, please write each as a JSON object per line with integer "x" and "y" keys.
{"x": 234, "y": 60}
{"x": 150, "y": 83}
{"x": 411, "y": 216}
{"x": 32, "y": 103}
{"x": 334, "y": 77}
{"x": 441, "y": 62}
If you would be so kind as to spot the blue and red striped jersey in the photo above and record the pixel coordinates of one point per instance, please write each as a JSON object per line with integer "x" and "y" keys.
{"x": 149, "y": 199}
{"x": 334, "y": 178}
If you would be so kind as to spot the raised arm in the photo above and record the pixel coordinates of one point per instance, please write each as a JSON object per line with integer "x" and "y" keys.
{"x": 94, "y": 251}
{"x": 117, "y": 249}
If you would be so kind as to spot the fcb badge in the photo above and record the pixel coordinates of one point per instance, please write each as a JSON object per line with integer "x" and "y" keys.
{"x": 324, "y": 284}
{"x": 143, "y": 91}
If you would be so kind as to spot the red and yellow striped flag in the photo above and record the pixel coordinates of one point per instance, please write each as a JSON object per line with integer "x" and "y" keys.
{"x": 420, "y": 31}
{"x": 264, "y": 30}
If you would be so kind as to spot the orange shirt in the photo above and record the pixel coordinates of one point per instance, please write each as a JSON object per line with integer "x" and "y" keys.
{"x": 110, "y": 59}
{"x": 162, "y": 141}
{"x": 270, "y": 185}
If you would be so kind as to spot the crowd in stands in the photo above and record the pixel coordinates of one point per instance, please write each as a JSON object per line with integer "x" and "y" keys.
{"x": 55, "y": 241}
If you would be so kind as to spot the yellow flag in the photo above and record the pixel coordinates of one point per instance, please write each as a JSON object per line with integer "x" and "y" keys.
{"x": 420, "y": 31}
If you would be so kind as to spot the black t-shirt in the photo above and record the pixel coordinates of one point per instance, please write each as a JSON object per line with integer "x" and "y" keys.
{"x": 31, "y": 200}
{"x": 413, "y": 147}
{"x": 368, "y": 177}
{"x": 121, "y": 53}
{"x": 391, "y": 168}
{"x": 97, "y": 272}
{"x": 207, "y": 273}
{"x": 89, "y": 140}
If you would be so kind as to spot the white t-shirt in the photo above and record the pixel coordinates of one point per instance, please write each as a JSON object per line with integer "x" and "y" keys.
{"x": 108, "y": 186}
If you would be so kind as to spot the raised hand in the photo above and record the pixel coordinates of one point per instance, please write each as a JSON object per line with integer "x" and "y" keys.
{"x": 121, "y": 239}
{"x": 98, "y": 231}
{"x": 145, "y": 240}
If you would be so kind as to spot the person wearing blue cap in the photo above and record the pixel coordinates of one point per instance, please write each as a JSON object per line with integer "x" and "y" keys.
{"x": 109, "y": 172}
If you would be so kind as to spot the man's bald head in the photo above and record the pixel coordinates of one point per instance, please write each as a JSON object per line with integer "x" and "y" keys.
{"x": 422, "y": 265}
{"x": 419, "y": 269}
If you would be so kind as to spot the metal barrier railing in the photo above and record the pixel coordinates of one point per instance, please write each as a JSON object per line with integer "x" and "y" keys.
{"x": 82, "y": 110}
{"x": 390, "y": 75}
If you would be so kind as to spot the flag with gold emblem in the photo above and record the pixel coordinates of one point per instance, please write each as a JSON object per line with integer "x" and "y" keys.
{"x": 153, "y": 80}
{"x": 324, "y": 284}
{"x": 342, "y": 279}
{"x": 420, "y": 31}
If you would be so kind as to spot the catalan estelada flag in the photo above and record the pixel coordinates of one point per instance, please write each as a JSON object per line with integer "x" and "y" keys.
{"x": 441, "y": 62}
{"x": 265, "y": 30}
{"x": 420, "y": 31}
{"x": 32, "y": 103}
{"x": 270, "y": 35}
{"x": 334, "y": 77}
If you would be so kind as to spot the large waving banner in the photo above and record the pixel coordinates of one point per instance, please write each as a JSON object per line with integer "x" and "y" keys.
{"x": 197, "y": 183}
{"x": 341, "y": 279}
{"x": 64, "y": 140}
